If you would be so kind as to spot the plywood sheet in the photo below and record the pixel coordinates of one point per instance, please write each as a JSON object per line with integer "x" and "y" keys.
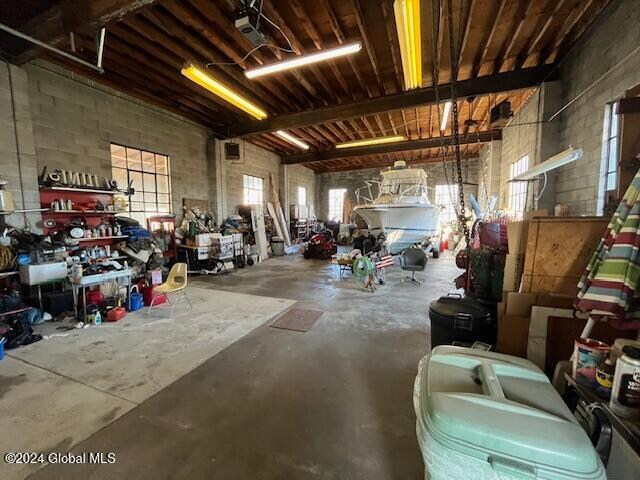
{"x": 558, "y": 250}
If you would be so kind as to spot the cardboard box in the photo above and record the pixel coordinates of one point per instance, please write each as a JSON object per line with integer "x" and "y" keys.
{"x": 520, "y": 304}
{"x": 514, "y": 262}
{"x": 513, "y": 335}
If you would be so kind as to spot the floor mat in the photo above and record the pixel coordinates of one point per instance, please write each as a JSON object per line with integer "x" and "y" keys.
{"x": 297, "y": 319}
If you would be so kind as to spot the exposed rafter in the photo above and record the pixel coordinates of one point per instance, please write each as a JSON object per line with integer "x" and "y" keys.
{"x": 501, "y": 82}
{"x": 406, "y": 146}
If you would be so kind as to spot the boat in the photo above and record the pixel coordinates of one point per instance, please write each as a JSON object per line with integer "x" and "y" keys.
{"x": 401, "y": 209}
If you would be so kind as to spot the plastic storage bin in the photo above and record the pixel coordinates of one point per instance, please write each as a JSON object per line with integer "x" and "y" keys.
{"x": 457, "y": 319}
{"x": 487, "y": 416}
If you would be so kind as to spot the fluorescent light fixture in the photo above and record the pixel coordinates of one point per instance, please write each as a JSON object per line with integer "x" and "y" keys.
{"x": 304, "y": 60}
{"x": 445, "y": 116}
{"x": 563, "y": 158}
{"x": 216, "y": 87}
{"x": 291, "y": 139}
{"x": 407, "y": 13}
{"x": 372, "y": 141}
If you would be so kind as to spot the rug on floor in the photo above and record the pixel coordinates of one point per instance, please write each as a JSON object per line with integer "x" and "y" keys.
{"x": 297, "y": 319}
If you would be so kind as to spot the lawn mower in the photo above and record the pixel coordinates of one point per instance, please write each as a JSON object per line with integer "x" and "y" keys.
{"x": 321, "y": 245}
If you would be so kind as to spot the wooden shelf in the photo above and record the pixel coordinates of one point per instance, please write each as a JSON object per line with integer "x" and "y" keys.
{"x": 86, "y": 190}
{"x": 95, "y": 239}
{"x": 85, "y": 212}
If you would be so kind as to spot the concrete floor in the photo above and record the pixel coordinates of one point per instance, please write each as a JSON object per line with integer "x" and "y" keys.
{"x": 331, "y": 403}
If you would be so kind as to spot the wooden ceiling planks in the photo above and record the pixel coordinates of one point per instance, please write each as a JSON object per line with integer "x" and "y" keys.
{"x": 146, "y": 48}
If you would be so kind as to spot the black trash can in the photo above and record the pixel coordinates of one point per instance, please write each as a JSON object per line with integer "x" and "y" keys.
{"x": 461, "y": 320}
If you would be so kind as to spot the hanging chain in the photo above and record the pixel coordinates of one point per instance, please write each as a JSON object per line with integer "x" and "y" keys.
{"x": 462, "y": 216}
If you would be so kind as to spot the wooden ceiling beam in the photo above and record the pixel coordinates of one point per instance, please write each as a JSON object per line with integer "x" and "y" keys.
{"x": 54, "y": 25}
{"x": 340, "y": 36}
{"x": 380, "y": 162}
{"x": 518, "y": 22}
{"x": 398, "y": 147}
{"x": 355, "y": 6}
{"x": 501, "y": 82}
{"x": 219, "y": 21}
{"x": 496, "y": 12}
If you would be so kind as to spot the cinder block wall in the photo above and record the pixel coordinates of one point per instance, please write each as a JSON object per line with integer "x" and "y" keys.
{"x": 354, "y": 179}
{"x": 614, "y": 36}
{"x": 68, "y": 121}
{"x": 75, "y": 120}
{"x": 300, "y": 176}
{"x": 22, "y": 177}
{"x": 589, "y": 65}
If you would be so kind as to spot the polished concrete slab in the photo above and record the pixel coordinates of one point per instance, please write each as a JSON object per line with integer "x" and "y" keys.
{"x": 332, "y": 403}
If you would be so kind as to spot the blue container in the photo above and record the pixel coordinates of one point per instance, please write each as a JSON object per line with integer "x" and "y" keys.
{"x": 137, "y": 301}
{"x": 2, "y": 348}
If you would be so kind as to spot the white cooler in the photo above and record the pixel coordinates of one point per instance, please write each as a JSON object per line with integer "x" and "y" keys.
{"x": 486, "y": 416}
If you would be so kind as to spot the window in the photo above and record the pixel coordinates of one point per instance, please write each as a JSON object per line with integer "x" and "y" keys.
{"x": 336, "y": 203}
{"x": 148, "y": 174}
{"x": 447, "y": 199}
{"x": 302, "y": 196}
{"x": 252, "y": 188}
{"x": 518, "y": 190}
{"x": 610, "y": 147}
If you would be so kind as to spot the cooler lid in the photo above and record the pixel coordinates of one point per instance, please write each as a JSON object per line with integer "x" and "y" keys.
{"x": 503, "y": 409}
{"x": 451, "y": 306}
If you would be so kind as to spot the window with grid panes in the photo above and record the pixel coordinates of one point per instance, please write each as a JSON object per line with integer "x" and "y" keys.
{"x": 149, "y": 175}
{"x": 447, "y": 198}
{"x": 336, "y": 203}
{"x": 252, "y": 188}
{"x": 612, "y": 131}
{"x": 518, "y": 190}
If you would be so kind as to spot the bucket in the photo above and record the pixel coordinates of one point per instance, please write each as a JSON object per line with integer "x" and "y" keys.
{"x": 136, "y": 299}
{"x": 277, "y": 247}
{"x": 587, "y": 354}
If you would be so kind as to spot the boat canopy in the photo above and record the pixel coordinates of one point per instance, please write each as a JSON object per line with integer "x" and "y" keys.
{"x": 409, "y": 181}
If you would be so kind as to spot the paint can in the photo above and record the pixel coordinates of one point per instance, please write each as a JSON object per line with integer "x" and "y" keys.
{"x": 625, "y": 396}
{"x": 587, "y": 355}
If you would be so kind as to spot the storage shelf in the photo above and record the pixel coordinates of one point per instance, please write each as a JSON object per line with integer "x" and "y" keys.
{"x": 86, "y": 190}
{"x": 95, "y": 239}
{"x": 119, "y": 257}
{"x": 8, "y": 274}
{"x": 85, "y": 212}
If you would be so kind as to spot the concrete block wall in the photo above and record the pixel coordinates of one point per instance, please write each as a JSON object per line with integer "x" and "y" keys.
{"x": 68, "y": 121}
{"x": 18, "y": 159}
{"x": 354, "y": 179}
{"x": 254, "y": 161}
{"x": 75, "y": 120}
{"x": 600, "y": 57}
{"x": 301, "y": 176}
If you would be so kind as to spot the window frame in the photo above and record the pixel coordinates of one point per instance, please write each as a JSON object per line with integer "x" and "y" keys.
{"x": 128, "y": 169}
{"x": 302, "y": 189}
{"x": 518, "y": 191}
{"x": 247, "y": 189}
{"x": 339, "y": 210}
{"x": 612, "y": 121}
{"x": 446, "y": 194}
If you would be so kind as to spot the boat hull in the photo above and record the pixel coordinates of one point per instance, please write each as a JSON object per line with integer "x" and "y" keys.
{"x": 404, "y": 225}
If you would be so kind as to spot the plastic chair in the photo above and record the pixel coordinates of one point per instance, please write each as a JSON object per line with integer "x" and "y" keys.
{"x": 176, "y": 283}
{"x": 413, "y": 260}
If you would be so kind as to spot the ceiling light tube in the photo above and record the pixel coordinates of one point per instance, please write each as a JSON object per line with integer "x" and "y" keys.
{"x": 445, "y": 116}
{"x": 302, "y": 60}
{"x": 291, "y": 139}
{"x": 407, "y": 15}
{"x": 372, "y": 141}
{"x": 202, "y": 78}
